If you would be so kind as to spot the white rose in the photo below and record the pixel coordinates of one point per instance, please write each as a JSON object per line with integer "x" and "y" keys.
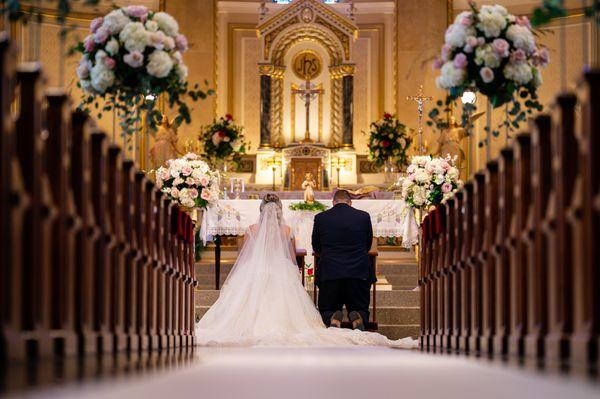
{"x": 166, "y": 23}
{"x": 115, "y": 21}
{"x": 456, "y": 34}
{"x": 159, "y": 64}
{"x": 519, "y": 73}
{"x": 521, "y": 37}
{"x": 492, "y": 20}
{"x": 485, "y": 55}
{"x": 151, "y": 26}
{"x": 100, "y": 56}
{"x": 83, "y": 70}
{"x": 101, "y": 77}
{"x": 112, "y": 47}
{"x": 134, "y": 37}
{"x": 450, "y": 76}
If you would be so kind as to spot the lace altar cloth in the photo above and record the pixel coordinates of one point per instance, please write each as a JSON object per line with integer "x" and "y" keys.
{"x": 390, "y": 218}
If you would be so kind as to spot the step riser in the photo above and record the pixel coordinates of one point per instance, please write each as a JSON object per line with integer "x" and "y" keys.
{"x": 382, "y": 268}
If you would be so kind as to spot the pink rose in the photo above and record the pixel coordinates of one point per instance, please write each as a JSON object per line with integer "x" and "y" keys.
{"x": 523, "y": 21}
{"x": 446, "y": 52}
{"x": 205, "y": 194}
{"x": 446, "y": 187}
{"x": 96, "y": 23}
{"x": 186, "y": 170}
{"x": 134, "y": 59}
{"x": 110, "y": 63}
{"x": 471, "y": 43}
{"x": 88, "y": 43}
{"x": 174, "y": 192}
{"x": 181, "y": 42}
{"x": 487, "y": 75}
{"x": 466, "y": 20}
{"x": 518, "y": 56}
{"x": 437, "y": 63}
{"x": 165, "y": 174}
{"x": 460, "y": 61}
{"x": 216, "y": 139}
{"x": 190, "y": 181}
{"x": 445, "y": 165}
{"x": 140, "y": 12}
{"x": 101, "y": 35}
{"x": 193, "y": 193}
{"x": 203, "y": 180}
{"x": 501, "y": 47}
{"x": 541, "y": 57}
{"x": 157, "y": 40}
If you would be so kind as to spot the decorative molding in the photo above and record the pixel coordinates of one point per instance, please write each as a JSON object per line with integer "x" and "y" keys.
{"x": 365, "y": 166}
{"x": 232, "y": 29}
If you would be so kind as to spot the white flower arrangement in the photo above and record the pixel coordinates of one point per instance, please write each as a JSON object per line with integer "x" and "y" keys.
{"x": 430, "y": 181}
{"x": 130, "y": 55}
{"x": 189, "y": 181}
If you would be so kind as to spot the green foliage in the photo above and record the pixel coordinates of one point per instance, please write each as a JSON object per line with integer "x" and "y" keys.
{"x": 307, "y": 206}
{"x": 223, "y": 140}
{"x": 388, "y": 140}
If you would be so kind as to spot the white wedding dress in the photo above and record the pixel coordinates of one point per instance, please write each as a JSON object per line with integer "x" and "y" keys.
{"x": 263, "y": 303}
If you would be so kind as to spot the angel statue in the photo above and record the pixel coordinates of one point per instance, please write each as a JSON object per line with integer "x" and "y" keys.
{"x": 308, "y": 185}
{"x": 450, "y": 138}
{"x": 166, "y": 145}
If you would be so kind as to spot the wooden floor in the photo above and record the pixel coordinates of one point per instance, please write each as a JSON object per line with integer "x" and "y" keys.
{"x": 300, "y": 373}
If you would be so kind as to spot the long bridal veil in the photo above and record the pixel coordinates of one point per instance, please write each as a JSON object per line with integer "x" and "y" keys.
{"x": 263, "y": 303}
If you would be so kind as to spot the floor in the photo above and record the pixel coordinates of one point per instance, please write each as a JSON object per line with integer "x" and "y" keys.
{"x": 324, "y": 373}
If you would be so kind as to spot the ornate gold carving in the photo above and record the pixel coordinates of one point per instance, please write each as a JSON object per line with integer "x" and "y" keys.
{"x": 339, "y": 71}
{"x": 336, "y": 113}
{"x": 276, "y": 112}
{"x": 307, "y": 65}
{"x": 307, "y": 15}
{"x": 270, "y": 37}
{"x": 273, "y": 71}
{"x": 307, "y": 33}
{"x": 320, "y": 133}
{"x": 342, "y": 37}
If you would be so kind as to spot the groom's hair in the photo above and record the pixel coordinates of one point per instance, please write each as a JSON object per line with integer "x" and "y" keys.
{"x": 342, "y": 196}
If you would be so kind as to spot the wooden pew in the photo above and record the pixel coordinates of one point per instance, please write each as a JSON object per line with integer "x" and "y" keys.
{"x": 14, "y": 201}
{"x": 465, "y": 268}
{"x": 152, "y": 210}
{"x": 537, "y": 261}
{"x": 584, "y": 217}
{"x": 118, "y": 259}
{"x": 66, "y": 224}
{"x": 456, "y": 270}
{"x": 143, "y": 260}
{"x": 560, "y": 265}
{"x": 169, "y": 272}
{"x": 448, "y": 275}
{"x": 34, "y": 337}
{"x": 104, "y": 245}
{"x": 477, "y": 256}
{"x": 501, "y": 252}
{"x": 421, "y": 282}
{"x": 440, "y": 278}
{"x": 518, "y": 272}
{"x": 489, "y": 236}
{"x": 161, "y": 231}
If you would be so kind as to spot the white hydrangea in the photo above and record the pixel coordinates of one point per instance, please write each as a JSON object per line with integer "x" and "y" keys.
{"x": 159, "y": 64}
{"x": 166, "y": 23}
{"x": 422, "y": 176}
{"x": 492, "y": 20}
{"x": 487, "y": 56}
{"x": 456, "y": 35}
{"x": 101, "y": 77}
{"x": 134, "y": 37}
{"x": 115, "y": 21}
{"x": 151, "y": 26}
{"x": 112, "y": 47}
{"x": 450, "y": 76}
{"x": 100, "y": 56}
{"x": 519, "y": 73}
{"x": 182, "y": 72}
{"x": 521, "y": 37}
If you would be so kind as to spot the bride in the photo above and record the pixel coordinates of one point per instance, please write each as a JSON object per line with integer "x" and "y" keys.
{"x": 263, "y": 303}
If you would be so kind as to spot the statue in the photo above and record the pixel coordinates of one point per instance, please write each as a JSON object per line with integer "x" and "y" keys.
{"x": 166, "y": 144}
{"x": 308, "y": 185}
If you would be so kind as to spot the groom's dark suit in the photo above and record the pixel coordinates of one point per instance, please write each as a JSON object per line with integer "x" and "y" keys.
{"x": 342, "y": 236}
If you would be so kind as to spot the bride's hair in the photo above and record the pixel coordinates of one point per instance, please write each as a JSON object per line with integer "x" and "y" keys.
{"x": 271, "y": 198}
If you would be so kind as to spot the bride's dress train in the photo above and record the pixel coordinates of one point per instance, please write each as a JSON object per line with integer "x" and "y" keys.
{"x": 263, "y": 302}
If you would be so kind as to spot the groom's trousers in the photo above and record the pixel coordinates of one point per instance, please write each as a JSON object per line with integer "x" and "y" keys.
{"x": 334, "y": 294}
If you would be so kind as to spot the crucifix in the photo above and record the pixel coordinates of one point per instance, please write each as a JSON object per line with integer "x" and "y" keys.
{"x": 308, "y": 93}
{"x": 420, "y": 99}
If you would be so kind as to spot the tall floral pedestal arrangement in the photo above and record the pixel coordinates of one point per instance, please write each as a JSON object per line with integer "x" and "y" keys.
{"x": 492, "y": 52}
{"x": 130, "y": 58}
{"x": 388, "y": 145}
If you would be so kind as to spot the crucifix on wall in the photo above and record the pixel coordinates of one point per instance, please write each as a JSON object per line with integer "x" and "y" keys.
{"x": 308, "y": 92}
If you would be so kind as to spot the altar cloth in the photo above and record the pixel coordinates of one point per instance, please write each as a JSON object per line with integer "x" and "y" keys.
{"x": 390, "y": 218}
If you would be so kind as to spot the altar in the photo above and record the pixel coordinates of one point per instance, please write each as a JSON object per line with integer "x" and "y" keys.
{"x": 390, "y": 218}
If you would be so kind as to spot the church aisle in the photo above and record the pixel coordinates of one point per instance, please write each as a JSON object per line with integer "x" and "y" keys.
{"x": 330, "y": 373}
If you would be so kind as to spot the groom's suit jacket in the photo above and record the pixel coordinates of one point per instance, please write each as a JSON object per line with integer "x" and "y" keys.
{"x": 342, "y": 236}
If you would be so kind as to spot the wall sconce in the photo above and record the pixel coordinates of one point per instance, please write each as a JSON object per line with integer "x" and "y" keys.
{"x": 274, "y": 162}
{"x": 338, "y": 163}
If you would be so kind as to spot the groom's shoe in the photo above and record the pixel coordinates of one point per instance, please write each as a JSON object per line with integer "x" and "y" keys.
{"x": 336, "y": 319}
{"x": 356, "y": 320}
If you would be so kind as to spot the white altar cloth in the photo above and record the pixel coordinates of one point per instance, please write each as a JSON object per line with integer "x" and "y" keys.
{"x": 390, "y": 218}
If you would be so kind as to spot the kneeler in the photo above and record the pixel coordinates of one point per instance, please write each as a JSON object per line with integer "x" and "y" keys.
{"x": 369, "y": 325}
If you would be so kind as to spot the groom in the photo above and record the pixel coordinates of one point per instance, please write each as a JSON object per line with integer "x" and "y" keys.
{"x": 342, "y": 236}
